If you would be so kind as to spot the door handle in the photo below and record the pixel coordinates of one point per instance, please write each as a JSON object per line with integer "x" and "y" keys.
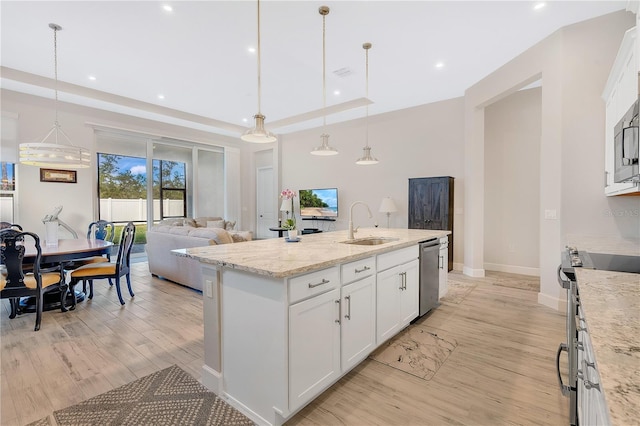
{"x": 348, "y": 315}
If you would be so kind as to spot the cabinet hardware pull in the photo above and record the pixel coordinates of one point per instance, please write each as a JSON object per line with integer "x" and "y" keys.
{"x": 365, "y": 268}
{"x": 579, "y": 374}
{"x": 590, "y": 385}
{"x": 401, "y": 281}
{"x": 441, "y": 262}
{"x": 324, "y": 281}
{"x": 580, "y": 346}
{"x": 348, "y": 316}
{"x": 339, "y": 311}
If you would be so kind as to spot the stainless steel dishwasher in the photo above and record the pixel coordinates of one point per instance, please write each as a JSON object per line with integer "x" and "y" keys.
{"x": 429, "y": 275}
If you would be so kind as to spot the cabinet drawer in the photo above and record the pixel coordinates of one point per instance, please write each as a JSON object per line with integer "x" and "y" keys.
{"x": 397, "y": 257}
{"x": 313, "y": 283}
{"x": 359, "y": 269}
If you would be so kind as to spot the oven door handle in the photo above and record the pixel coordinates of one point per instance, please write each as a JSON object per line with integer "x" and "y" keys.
{"x": 563, "y": 283}
{"x": 566, "y": 390}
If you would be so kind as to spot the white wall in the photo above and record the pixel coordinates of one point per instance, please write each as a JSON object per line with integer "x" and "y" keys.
{"x": 512, "y": 183}
{"x": 416, "y": 142}
{"x": 573, "y": 64}
{"x": 35, "y": 115}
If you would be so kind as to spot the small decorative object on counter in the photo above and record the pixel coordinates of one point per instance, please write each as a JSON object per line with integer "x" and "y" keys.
{"x": 289, "y": 224}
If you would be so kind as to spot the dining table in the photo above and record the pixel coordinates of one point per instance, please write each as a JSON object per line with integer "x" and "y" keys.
{"x": 65, "y": 251}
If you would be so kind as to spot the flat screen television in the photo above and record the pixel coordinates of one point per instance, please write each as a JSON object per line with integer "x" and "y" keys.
{"x": 319, "y": 203}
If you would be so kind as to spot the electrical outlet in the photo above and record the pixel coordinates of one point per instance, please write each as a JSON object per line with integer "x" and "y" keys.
{"x": 208, "y": 285}
{"x": 550, "y": 214}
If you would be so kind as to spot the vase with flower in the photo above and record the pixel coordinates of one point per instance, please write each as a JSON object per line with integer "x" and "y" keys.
{"x": 289, "y": 224}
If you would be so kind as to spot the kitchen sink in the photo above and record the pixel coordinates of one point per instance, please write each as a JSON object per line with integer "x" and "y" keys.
{"x": 370, "y": 241}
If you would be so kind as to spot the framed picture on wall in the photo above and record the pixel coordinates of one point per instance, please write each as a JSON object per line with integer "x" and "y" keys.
{"x": 64, "y": 176}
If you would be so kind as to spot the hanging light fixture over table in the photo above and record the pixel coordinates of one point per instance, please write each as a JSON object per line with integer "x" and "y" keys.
{"x": 59, "y": 155}
{"x": 259, "y": 134}
{"x": 367, "y": 158}
{"x": 324, "y": 148}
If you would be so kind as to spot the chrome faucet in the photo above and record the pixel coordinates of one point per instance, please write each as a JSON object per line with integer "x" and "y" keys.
{"x": 351, "y": 229}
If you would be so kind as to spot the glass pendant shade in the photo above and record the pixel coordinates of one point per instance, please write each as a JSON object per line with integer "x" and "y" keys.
{"x": 324, "y": 148}
{"x": 57, "y": 155}
{"x": 258, "y": 134}
{"x": 366, "y": 159}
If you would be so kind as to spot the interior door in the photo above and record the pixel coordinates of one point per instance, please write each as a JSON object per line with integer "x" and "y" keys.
{"x": 265, "y": 203}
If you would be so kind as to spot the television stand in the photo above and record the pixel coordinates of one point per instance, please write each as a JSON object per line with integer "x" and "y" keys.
{"x": 328, "y": 219}
{"x": 311, "y": 231}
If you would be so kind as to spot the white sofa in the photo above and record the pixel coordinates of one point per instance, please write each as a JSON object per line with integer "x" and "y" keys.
{"x": 163, "y": 238}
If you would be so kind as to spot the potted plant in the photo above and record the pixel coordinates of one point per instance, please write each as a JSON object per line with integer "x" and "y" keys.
{"x": 290, "y": 222}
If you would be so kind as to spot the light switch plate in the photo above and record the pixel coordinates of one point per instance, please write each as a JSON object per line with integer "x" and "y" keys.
{"x": 208, "y": 285}
{"x": 550, "y": 214}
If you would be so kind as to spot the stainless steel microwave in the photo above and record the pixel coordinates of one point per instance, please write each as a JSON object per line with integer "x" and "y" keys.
{"x": 626, "y": 147}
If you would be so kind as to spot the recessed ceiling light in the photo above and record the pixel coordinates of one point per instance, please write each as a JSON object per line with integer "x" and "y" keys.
{"x": 161, "y": 96}
{"x": 92, "y": 77}
{"x": 336, "y": 92}
{"x": 167, "y": 8}
{"x": 439, "y": 64}
{"x": 244, "y": 120}
{"x": 539, "y": 5}
{"x": 251, "y": 49}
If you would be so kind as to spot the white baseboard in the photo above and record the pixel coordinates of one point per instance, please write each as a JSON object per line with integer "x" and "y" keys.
{"x": 552, "y": 302}
{"x": 512, "y": 269}
{"x": 211, "y": 379}
{"x": 477, "y": 273}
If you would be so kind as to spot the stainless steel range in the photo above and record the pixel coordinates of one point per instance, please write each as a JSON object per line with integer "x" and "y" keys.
{"x": 567, "y": 279}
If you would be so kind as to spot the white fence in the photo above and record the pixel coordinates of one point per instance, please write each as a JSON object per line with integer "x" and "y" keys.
{"x": 119, "y": 210}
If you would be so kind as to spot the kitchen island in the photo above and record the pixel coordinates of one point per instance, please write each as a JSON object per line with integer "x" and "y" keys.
{"x": 283, "y": 321}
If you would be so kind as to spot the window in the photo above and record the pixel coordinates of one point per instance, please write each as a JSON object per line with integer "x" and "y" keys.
{"x": 170, "y": 188}
{"x": 122, "y": 188}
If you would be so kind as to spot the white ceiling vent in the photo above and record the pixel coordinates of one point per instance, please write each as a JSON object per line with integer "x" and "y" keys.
{"x": 343, "y": 72}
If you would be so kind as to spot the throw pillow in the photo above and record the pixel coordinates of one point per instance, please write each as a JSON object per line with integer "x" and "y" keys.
{"x": 201, "y": 222}
{"x": 230, "y": 225}
{"x": 220, "y": 236}
{"x": 189, "y": 222}
{"x": 215, "y": 224}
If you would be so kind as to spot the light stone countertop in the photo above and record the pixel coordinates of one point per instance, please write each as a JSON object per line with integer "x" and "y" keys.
{"x": 604, "y": 244}
{"x": 277, "y": 258}
{"x": 611, "y": 305}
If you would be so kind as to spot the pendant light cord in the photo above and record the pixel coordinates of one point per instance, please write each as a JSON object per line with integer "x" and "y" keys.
{"x": 324, "y": 77}
{"x": 259, "y": 83}
{"x": 55, "y": 68}
{"x": 366, "y": 50}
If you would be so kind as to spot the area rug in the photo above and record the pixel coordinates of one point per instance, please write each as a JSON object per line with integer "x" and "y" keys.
{"x": 417, "y": 351}
{"x": 167, "y": 397}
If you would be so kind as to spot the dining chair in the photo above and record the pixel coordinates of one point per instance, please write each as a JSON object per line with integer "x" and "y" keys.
{"x": 16, "y": 282}
{"x": 99, "y": 230}
{"x": 7, "y": 225}
{"x": 121, "y": 267}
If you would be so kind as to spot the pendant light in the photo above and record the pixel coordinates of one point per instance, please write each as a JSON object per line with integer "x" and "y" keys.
{"x": 44, "y": 154}
{"x": 367, "y": 158}
{"x": 324, "y": 148}
{"x": 259, "y": 134}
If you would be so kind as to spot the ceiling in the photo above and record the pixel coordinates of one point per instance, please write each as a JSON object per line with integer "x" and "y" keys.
{"x": 197, "y": 55}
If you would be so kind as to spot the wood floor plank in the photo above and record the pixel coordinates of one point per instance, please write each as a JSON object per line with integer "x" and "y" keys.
{"x": 502, "y": 370}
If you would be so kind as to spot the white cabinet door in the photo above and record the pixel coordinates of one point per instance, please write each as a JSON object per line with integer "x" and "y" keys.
{"x": 410, "y": 294}
{"x": 388, "y": 288}
{"x": 314, "y": 346}
{"x": 443, "y": 262}
{"x": 358, "y": 321}
{"x": 397, "y": 299}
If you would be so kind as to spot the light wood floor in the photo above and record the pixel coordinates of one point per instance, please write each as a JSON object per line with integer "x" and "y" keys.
{"x": 501, "y": 372}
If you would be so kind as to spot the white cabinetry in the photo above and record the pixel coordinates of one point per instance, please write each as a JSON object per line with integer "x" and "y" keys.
{"x": 621, "y": 91}
{"x": 397, "y": 292}
{"x": 358, "y": 322}
{"x": 443, "y": 261}
{"x": 592, "y": 407}
{"x": 314, "y": 346}
{"x": 332, "y": 331}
